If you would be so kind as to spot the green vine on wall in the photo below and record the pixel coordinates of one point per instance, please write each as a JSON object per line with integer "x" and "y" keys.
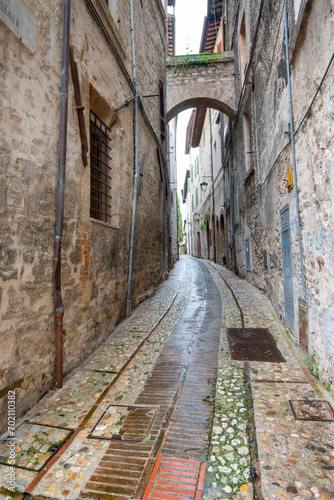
{"x": 205, "y": 221}
{"x": 312, "y": 364}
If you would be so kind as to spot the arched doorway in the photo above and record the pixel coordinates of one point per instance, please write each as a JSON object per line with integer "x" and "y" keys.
{"x": 223, "y": 241}
{"x": 213, "y": 238}
{"x": 219, "y": 256}
{"x": 208, "y": 238}
{"x": 199, "y": 244}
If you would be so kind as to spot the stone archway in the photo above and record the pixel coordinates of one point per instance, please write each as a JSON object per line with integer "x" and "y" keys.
{"x": 201, "y": 81}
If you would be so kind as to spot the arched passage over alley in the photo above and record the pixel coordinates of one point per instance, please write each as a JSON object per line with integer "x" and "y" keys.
{"x": 200, "y": 81}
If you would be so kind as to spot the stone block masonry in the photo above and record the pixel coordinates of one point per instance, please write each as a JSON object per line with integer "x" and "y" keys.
{"x": 94, "y": 253}
{"x": 203, "y": 80}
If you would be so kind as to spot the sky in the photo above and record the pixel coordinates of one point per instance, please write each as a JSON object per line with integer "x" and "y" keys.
{"x": 189, "y": 16}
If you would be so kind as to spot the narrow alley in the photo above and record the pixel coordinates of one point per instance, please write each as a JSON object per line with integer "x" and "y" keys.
{"x": 162, "y": 411}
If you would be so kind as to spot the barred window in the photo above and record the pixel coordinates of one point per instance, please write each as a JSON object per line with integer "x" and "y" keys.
{"x": 100, "y": 170}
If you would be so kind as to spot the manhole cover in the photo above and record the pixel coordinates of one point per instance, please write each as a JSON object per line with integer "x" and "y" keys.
{"x": 32, "y": 445}
{"x": 124, "y": 423}
{"x": 253, "y": 344}
{"x": 308, "y": 409}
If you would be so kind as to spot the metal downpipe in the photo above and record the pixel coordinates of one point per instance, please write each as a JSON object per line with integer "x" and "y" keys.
{"x": 293, "y": 148}
{"x": 58, "y": 301}
{"x": 170, "y": 199}
{"x": 213, "y": 195}
{"x": 232, "y": 242}
{"x": 135, "y": 181}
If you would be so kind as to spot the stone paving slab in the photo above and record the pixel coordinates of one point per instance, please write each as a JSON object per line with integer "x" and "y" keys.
{"x": 40, "y": 442}
{"x": 68, "y": 407}
{"x": 22, "y": 478}
{"x": 302, "y": 450}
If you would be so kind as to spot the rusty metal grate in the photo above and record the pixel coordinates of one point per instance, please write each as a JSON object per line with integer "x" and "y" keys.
{"x": 124, "y": 423}
{"x": 100, "y": 170}
{"x": 311, "y": 409}
{"x": 253, "y": 344}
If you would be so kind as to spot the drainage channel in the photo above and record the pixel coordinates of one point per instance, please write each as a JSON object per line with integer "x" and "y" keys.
{"x": 181, "y": 387}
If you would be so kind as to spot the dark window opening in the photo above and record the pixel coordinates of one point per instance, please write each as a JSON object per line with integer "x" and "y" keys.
{"x": 162, "y": 110}
{"x": 100, "y": 170}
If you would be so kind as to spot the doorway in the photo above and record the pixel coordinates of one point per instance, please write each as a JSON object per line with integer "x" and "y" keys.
{"x": 287, "y": 266}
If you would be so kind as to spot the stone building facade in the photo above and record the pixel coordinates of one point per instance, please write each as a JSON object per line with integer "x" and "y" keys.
{"x": 278, "y": 225}
{"x": 95, "y": 249}
{"x": 172, "y": 128}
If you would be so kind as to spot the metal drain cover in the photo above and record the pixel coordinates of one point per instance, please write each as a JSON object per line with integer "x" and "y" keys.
{"x": 311, "y": 409}
{"x": 124, "y": 423}
{"x": 34, "y": 445}
{"x": 253, "y": 344}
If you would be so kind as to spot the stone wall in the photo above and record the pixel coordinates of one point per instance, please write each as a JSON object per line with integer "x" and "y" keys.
{"x": 95, "y": 254}
{"x": 261, "y": 191}
{"x": 173, "y": 179}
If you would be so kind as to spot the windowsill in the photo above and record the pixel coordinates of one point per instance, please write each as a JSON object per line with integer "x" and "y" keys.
{"x": 110, "y": 25}
{"x": 114, "y": 224}
{"x": 161, "y": 9}
{"x": 298, "y": 27}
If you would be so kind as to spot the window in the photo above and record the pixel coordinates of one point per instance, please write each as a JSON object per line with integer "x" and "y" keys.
{"x": 243, "y": 52}
{"x": 247, "y": 139}
{"x": 248, "y": 257}
{"x": 196, "y": 197}
{"x": 112, "y": 6}
{"x": 297, "y": 4}
{"x": 162, "y": 110}
{"x": 196, "y": 166}
{"x": 100, "y": 170}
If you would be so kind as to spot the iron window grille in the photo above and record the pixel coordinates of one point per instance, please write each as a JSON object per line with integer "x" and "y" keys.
{"x": 100, "y": 170}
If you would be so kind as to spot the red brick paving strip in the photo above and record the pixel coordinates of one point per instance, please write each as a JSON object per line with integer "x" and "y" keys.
{"x": 175, "y": 479}
{"x": 181, "y": 386}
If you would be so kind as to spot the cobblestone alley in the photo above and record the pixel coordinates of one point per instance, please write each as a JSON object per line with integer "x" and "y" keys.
{"x": 161, "y": 411}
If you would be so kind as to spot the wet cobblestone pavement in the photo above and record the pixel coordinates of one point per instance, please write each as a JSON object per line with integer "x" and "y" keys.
{"x": 160, "y": 411}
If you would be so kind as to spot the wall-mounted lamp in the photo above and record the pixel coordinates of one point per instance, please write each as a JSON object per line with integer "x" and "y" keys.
{"x": 204, "y": 184}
